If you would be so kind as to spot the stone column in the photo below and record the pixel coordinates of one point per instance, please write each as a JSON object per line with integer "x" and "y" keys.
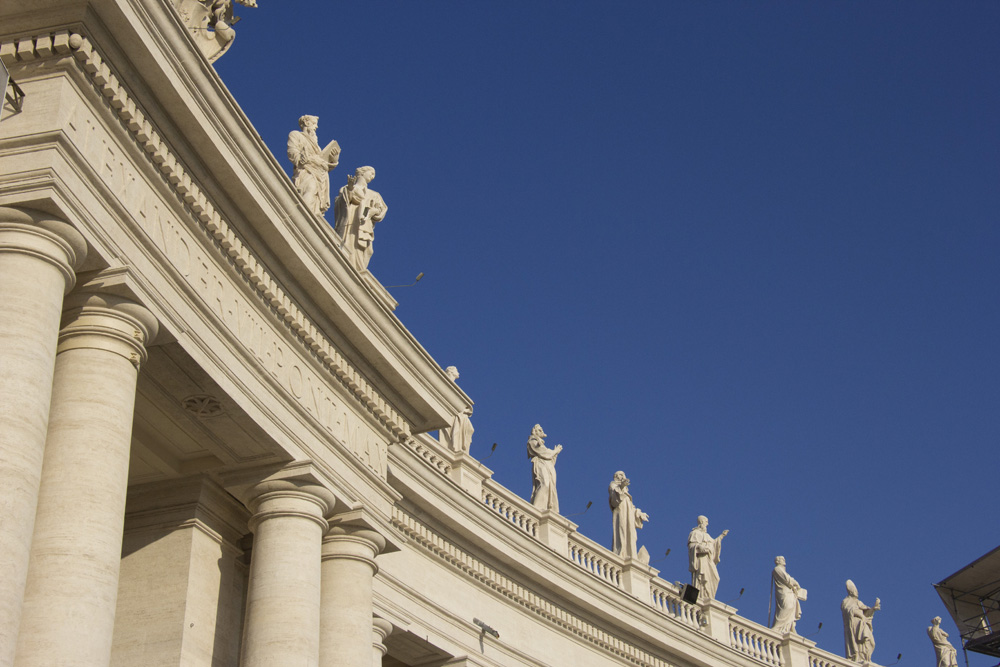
{"x": 282, "y": 624}
{"x": 69, "y": 600}
{"x": 38, "y": 257}
{"x": 381, "y": 629}
{"x": 348, "y": 572}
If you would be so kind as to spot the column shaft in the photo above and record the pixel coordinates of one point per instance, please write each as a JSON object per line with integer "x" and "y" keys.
{"x": 69, "y": 599}
{"x": 348, "y": 572}
{"x": 283, "y": 596}
{"x": 36, "y": 269}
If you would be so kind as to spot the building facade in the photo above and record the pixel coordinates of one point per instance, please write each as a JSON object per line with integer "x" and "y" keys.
{"x": 215, "y": 443}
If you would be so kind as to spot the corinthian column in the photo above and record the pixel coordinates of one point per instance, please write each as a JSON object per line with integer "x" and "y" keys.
{"x": 69, "y": 600}
{"x": 38, "y": 257}
{"x": 349, "y": 568}
{"x": 283, "y": 596}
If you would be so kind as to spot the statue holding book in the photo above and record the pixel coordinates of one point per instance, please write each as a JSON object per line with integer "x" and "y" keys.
{"x": 312, "y": 164}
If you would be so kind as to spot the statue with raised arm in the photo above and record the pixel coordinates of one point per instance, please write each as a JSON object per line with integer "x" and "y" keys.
{"x": 859, "y": 638}
{"x": 543, "y": 471}
{"x": 626, "y": 517}
{"x": 356, "y": 211}
{"x": 704, "y": 554}
{"x": 787, "y": 594}
{"x": 946, "y": 654}
{"x": 311, "y": 164}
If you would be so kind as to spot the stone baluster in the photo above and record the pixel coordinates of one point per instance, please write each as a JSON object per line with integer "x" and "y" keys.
{"x": 69, "y": 600}
{"x": 38, "y": 259}
{"x": 282, "y": 624}
{"x": 349, "y": 568}
{"x": 381, "y": 629}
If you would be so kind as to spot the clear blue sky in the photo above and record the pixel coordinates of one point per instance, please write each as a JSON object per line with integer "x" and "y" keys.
{"x": 745, "y": 252}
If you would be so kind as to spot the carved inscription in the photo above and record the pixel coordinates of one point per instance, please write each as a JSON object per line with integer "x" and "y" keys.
{"x": 240, "y": 316}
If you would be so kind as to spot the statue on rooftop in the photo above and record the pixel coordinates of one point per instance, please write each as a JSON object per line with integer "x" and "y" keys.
{"x": 458, "y": 437}
{"x": 787, "y": 595}
{"x": 627, "y": 519}
{"x": 946, "y": 654}
{"x": 704, "y": 554}
{"x": 356, "y": 211}
{"x": 311, "y": 164}
{"x": 543, "y": 471}
{"x": 210, "y": 23}
{"x": 859, "y": 638}
{"x": 452, "y": 373}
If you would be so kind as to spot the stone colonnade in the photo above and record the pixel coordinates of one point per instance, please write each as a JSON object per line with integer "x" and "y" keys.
{"x": 70, "y": 364}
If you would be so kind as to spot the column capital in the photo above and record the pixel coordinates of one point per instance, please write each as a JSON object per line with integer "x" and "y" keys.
{"x": 38, "y": 234}
{"x": 107, "y": 322}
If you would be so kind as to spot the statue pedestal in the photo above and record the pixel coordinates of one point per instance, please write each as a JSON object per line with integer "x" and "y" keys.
{"x": 795, "y": 650}
{"x": 636, "y": 577}
{"x": 469, "y": 474}
{"x": 554, "y": 530}
{"x": 716, "y": 616}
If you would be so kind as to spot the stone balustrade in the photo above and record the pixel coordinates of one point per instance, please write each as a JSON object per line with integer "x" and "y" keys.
{"x": 596, "y": 559}
{"x": 820, "y": 658}
{"x": 755, "y": 640}
{"x": 512, "y": 508}
{"x": 665, "y": 598}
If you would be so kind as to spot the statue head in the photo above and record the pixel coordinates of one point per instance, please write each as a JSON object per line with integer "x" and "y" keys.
{"x": 780, "y": 560}
{"x": 619, "y": 476}
{"x": 365, "y": 173}
{"x": 452, "y": 372}
{"x": 307, "y": 122}
{"x": 702, "y": 521}
{"x": 936, "y": 620}
{"x": 537, "y": 432}
{"x": 852, "y": 590}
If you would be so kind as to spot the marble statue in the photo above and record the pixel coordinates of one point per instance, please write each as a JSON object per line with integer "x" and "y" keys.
{"x": 543, "y": 471}
{"x": 787, "y": 595}
{"x": 458, "y": 437}
{"x": 356, "y": 211}
{"x": 859, "y": 639}
{"x": 947, "y": 656}
{"x": 627, "y": 518}
{"x": 704, "y": 554}
{"x": 311, "y": 164}
{"x": 452, "y": 373}
{"x": 210, "y": 23}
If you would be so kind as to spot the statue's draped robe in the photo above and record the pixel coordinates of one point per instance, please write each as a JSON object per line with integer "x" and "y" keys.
{"x": 704, "y": 554}
{"x": 947, "y": 656}
{"x": 458, "y": 438}
{"x": 859, "y": 639}
{"x": 786, "y": 602}
{"x": 310, "y": 173}
{"x": 356, "y": 211}
{"x": 543, "y": 475}
{"x": 626, "y": 519}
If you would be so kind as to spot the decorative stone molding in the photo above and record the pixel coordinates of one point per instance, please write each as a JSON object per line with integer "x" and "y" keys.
{"x": 203, "y": 406}
{"x": 486, "y": 575}
{"x": 206, "y": 218}
{"x": 107, "y": 322}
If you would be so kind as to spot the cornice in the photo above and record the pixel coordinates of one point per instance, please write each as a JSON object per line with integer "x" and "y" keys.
{"x": 230, "y": 247}
{"x": 482, "y": 572}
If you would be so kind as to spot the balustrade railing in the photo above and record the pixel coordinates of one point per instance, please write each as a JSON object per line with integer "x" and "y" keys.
{"x": 755, "y": 640}
{"x": 514, "y": 509}
{"x": 820, "y": 658}
{"x": 666, "y": 599}
{"x": 595, "y": 559}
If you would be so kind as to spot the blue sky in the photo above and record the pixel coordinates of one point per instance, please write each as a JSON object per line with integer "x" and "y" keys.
{"x": 745, "y": 252}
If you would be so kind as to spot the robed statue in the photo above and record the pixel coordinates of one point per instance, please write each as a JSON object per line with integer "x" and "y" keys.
{"x": 311, "y": 164}
{"x": 543, "y": 471}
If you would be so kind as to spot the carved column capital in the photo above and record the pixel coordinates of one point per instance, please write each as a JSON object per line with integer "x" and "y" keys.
{"x": 289, "y": 498}
{"x": 107, "y": 322}
{"x": 40, "y": 235}
{"x": 381, "y": 629}
{"x": 353, "y": 542}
